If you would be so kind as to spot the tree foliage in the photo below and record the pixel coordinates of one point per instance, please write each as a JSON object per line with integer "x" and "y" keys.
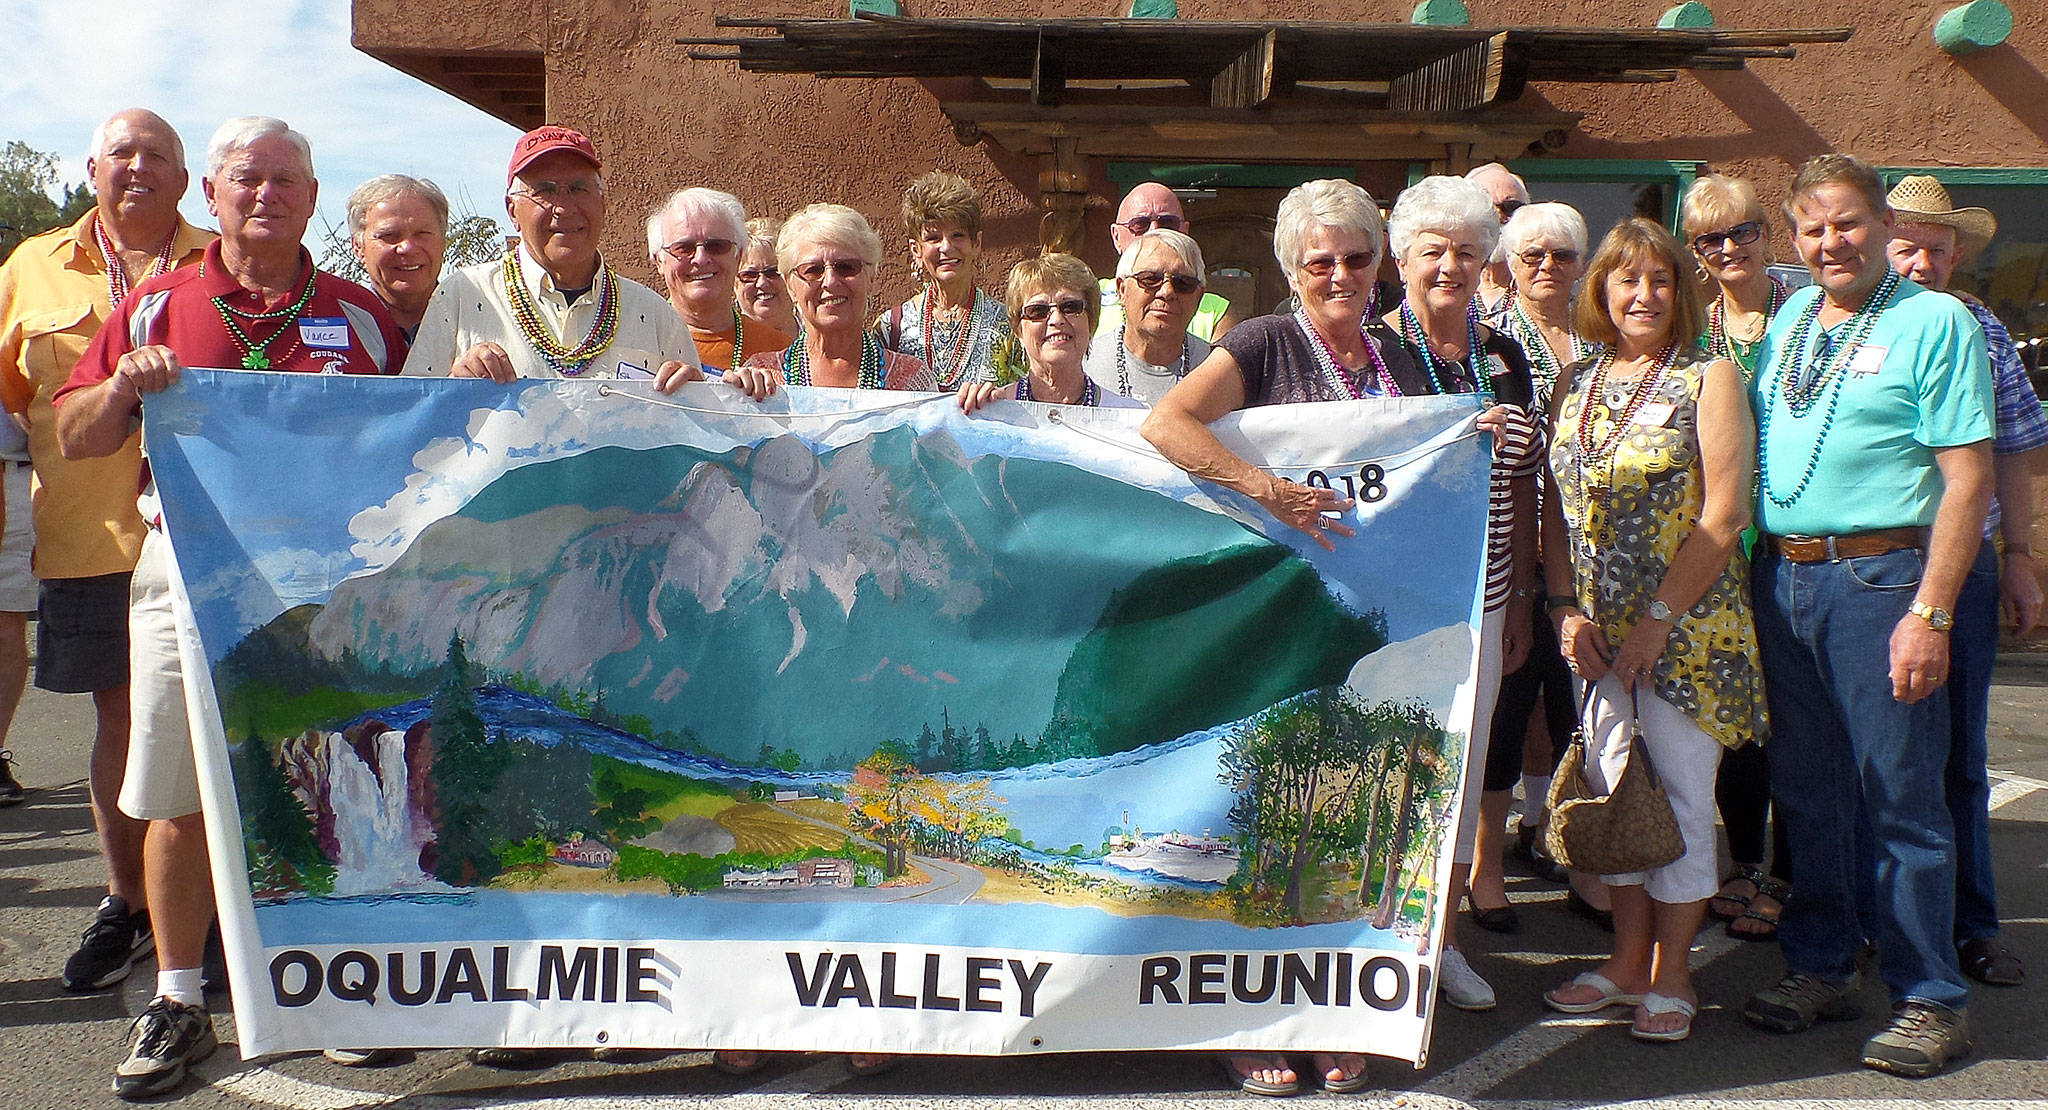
{"x": 284, "y": 851}
{"x": 27, "y": 206}
{"x": 466, "y": 771}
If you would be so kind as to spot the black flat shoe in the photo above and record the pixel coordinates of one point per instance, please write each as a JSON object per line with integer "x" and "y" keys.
{"x": 1589, "y": 911}
{"x": 1494, "y": 919}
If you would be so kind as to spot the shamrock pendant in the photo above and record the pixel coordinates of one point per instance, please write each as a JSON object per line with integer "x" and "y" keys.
{"x": 255, "y": 360}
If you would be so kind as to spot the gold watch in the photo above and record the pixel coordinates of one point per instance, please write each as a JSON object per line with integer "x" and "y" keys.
{"x": 1937, "y": 618}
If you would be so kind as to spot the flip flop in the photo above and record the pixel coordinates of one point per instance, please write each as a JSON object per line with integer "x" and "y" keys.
{"x": 1252, "y": 1085}
{"x": 1610, "y": 995}
{"x": 1655, "y": 1005}
{"x": 1349, "y": 1085}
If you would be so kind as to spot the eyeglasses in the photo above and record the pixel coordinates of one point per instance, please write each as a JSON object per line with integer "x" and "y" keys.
{"x": 846, "y": 268}
{"x": 556, "y": 194}
{"x": 1356, "y": 261}
{"x": 759, "y": 274}
{"x": 1534, "y": 256}
{"x": 1151, "y": 280}
{"x": 1038, "y": 312}
{"x": 1139, "y": 225}
{"x": 682, "y": 250}
{"x": 1509, "y": 207}
{"x": 1742, "y": 235}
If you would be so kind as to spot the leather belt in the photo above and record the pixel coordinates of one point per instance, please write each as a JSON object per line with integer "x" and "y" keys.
{"x": 1827, "y": 549}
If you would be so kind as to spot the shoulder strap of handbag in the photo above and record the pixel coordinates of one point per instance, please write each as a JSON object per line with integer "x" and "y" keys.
{"x": 1636, "y": 745}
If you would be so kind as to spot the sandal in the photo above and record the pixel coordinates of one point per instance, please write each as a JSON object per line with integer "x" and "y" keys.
{"x": 1610, "y": 995}
{"x": 1253, "y": 1085}
{"x": 1576, "y": 903}
{"x": 1657, "y": 1005}
{"x": 1777, "y": 890}
{"x": 1987, "y": 961}
{"x": 1344, "y": 1084}
{"x": 1744, "y": 873}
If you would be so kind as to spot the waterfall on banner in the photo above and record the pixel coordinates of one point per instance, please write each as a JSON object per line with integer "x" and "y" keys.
{"x": 373, "y": 826}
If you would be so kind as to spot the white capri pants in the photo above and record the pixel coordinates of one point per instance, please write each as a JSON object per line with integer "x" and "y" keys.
{"x": 161, "y": 781}
{"x": 1686, "y": 759}
{"x": 1483, "y": 700}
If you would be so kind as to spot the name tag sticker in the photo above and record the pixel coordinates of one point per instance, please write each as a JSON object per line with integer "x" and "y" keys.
{"x": 327, "y": 332}
{"x": 1867, "y": 359}
{"x": 1655, "y": 415}
{"x": 633, "y": 370}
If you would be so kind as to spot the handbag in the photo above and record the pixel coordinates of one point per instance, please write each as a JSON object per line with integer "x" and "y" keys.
{"x": 1628, "y": 830}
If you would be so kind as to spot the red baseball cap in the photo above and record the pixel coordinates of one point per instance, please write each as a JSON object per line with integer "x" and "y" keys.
{"x": 547, "y": 140}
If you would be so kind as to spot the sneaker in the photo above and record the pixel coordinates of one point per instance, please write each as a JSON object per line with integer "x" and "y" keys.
{"x": 169, "y": 1038}
{"x": 11, "y": 792}
{"x": 1461, "y": 986}
{"x": 1921, "y": 1039}
{"x": 114, "y": 941}
{"x": 359, "y": 1057}
{"x": 1799, "y": 999}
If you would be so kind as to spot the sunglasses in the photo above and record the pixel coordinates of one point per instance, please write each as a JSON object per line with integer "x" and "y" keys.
{"x": 846, "y": 268}
{"x": 759, "y": 274}
{"x": 1742, "y": 235}
{"x": 682, "y": 250}
{"x": 1533, "y": 257}
{"x": 1151, "y": 280}
{"x": 1508, "y": 208}
{"x": 1356, "y": 262}
{"x": 1139, "y": 225}
{"x": 1038, "y": 312}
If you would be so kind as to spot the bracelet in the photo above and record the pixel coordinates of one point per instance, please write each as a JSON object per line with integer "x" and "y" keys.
{"x": 1560, "y": 601}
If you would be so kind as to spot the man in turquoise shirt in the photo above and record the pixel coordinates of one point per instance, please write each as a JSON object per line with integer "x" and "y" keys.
{"x": 1873, "y": 403}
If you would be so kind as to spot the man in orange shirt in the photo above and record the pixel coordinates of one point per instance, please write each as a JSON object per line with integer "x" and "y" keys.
{"x": 55, "y": 291}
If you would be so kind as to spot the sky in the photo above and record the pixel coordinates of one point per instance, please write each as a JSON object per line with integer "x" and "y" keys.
{"x": 72, "y": 63}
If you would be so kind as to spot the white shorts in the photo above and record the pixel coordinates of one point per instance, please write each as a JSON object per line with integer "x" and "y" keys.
{"x": 18, "y": 591}
{"x": 161, "y": 781}
{"x": 1484, "y": 698}
{"x": 1686, "y": 759}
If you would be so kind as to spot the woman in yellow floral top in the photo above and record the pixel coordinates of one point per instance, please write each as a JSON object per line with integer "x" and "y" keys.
{"x": 1651, "y": 456}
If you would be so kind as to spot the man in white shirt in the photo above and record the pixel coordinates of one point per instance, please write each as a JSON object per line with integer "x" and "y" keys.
{"x": 552, "y": 307}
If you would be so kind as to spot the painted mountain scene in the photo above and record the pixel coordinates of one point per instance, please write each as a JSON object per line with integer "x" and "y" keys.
{"x": 926, "y": 659}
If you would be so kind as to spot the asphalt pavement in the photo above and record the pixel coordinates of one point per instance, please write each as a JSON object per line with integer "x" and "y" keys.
{"x": 58, "y": 1050}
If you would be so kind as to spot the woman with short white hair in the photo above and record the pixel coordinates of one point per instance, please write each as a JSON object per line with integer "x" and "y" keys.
{"x": 1545, "y": 244}
{"x": 695, "y": 240}
{"x": 828, "y": 253}
{"x": 763, "y": 294}
{"x": 1443, "y": 230}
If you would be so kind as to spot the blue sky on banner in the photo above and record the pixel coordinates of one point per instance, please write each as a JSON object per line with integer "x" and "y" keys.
{"x": 198, "y": 64}
{"x": 377, "y": 460}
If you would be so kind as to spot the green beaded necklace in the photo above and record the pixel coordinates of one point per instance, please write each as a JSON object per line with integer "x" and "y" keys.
{"x": 1801, "y": 392}
{"x": 256, "y": 356}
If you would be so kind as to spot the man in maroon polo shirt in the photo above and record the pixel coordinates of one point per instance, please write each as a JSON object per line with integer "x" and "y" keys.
{"x": 255, "y": 302}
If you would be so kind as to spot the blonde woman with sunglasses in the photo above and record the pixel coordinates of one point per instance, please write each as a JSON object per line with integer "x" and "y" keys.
{"x": 828, "y": 255}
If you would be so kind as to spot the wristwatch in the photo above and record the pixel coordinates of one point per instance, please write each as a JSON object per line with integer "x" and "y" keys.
{"x": 1662, "y": 612}
{"x": 1937, "y": 618}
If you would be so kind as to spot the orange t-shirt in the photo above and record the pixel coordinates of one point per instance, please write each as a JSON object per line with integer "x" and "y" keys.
{"x": 715, "y": 347}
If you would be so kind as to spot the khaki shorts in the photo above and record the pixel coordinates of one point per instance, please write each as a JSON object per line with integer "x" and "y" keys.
{"x": 17, "y": 582}
{"x": 161, "y": 781}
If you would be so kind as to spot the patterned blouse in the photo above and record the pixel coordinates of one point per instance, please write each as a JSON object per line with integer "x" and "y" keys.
{"x": 903, "y": 330}
{"x": 1623, "y": 539}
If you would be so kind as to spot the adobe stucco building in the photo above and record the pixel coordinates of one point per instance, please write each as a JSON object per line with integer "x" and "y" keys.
{"x": 1084, "y": 117}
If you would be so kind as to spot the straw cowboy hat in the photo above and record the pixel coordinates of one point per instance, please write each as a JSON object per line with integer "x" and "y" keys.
{"x": 1920, "y": 199}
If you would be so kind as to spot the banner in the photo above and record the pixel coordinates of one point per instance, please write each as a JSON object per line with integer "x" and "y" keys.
{"x": 569, "y": 714}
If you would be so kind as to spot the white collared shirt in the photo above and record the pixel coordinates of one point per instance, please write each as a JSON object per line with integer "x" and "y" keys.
{"x": 471, "y": 306}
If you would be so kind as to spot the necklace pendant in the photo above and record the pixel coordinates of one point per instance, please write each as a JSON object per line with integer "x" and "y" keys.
{"x": 255, "y": 360}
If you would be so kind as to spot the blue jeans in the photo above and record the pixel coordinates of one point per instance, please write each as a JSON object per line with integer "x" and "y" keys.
{"x": 1847, "y": 755}
{"x": 1972, "y": 647}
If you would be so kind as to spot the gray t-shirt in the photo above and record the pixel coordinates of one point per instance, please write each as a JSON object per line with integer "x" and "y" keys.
{"x": 1134, "y": 377}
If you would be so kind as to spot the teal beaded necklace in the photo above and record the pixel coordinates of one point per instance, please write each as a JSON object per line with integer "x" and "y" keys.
{"x": 1802, "y": 391}
{"x": 1475, "y": 349}
{"x": 796, "y": 362}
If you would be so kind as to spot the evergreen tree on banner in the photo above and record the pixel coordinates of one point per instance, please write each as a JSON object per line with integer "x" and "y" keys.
{"x": 466, "y": 772}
